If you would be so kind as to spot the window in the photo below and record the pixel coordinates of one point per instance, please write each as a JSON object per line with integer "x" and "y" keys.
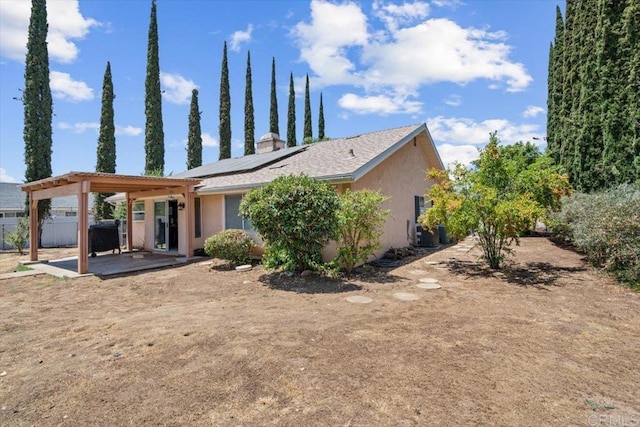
{"x": 138, "y": 211}
{"x": 232, "y": 217}
{"x": 1, "y": 214}
{"x": 70, "y": 213}
{"x": 10, "y": 215}
{"x": 198, "y": 217}
{"x": 19, "y": 214}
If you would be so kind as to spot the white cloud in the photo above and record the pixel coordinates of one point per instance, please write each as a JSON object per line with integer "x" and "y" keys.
{"x": 451, "y": 154}
{"x": 65, "y": 88}
{"x": 128, "y": 130}
{"x": 465, "y": 131}
{"x": 208, "y": 140}
{"x": 5, "y": 177}
{"x": 176, "y": 89}
{"x": 324, "y": 41}
{"x": 394, "y": 15}
{"x": 66, "y": 25}
{"x": 239, "y": 37}
{"x": 446, "y": 3}
{"x": 378, "y": 104}
{"x": 80, "y": 127}
{"x": 453, "y": 100}
{"x": 533, "y": 111}
{"x": 410, "y": 52}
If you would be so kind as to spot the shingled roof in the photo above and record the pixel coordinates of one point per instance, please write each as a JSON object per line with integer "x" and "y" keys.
{"x": 337, "y": 160}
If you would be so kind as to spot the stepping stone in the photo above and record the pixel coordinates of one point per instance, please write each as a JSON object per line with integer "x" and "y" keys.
{"x": 428, "y": 286}
{"x": 417, "y": 272}
{"x": 359, "y": 299}
{"x": 428, "y": 280}
{"x": 432, "y": 262}
{"x": 443, "y": 268}
{"x": 245, "y": 267}
{"x": 405, "y": 296}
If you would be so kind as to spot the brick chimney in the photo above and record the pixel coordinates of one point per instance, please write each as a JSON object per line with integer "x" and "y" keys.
{"x": 270, "y": 142}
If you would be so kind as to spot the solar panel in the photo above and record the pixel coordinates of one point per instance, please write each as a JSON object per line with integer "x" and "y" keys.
{"x": 239, "y": 164}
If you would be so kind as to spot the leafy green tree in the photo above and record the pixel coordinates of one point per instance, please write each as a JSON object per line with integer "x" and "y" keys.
{"x": 308, "y": 132}
{"x": 194, "y": 141}
{"x": 321, "y": 121}
{"x": 296, "y": 217}
{"x": 106, "y": 145}
{"x": 291, "y": 117}
{"x": 38, "y": 107}
{"x": 249, "y": 124}
{"x": 499, "y": 199}
{"x": 224, "y": 127}
{"x": 154, "y": 133}
{"x": 360, "y": 225}
{"x": 273, "y": 110}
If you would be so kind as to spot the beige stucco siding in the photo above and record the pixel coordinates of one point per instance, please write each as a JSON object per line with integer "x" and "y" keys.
{"x": 401, "y": 177}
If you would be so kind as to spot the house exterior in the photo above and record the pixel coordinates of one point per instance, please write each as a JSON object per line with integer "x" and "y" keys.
{"x": 391, "y": 161}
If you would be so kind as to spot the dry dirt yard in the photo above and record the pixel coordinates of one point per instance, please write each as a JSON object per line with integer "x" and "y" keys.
{"x": 545, "y": 342}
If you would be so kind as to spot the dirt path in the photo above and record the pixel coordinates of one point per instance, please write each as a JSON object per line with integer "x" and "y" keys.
{"x": 546, "y": 342}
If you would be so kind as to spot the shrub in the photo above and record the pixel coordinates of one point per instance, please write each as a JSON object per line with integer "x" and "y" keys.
{"x": 18, "y": 238}
{"x": 232, "y": 245}
{"x": 605, "y": 226}
{"x": 296, "y": 217}
{"x": 360, "y": 221}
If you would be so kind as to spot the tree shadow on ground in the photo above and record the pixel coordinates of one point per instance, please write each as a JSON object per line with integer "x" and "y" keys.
{"x": 321, "y": 284}
{"x": 539, "y": 275}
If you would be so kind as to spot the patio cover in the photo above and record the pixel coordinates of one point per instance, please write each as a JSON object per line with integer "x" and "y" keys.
{"x": 83, "y": 183}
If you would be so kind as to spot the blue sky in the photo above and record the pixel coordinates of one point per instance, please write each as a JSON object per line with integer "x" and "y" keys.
{"x": 466, "y": 68}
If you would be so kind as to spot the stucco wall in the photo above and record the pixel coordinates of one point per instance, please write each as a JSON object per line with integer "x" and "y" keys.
{"x": 401, "y": 177}
{"x": 212, "y": 217}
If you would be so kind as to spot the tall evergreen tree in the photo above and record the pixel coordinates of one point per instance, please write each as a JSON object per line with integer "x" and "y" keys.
{"x": 308, "y": 132}
{"x": 587, "y": 158}
{"x": 614, "y": 66}
{"x": 224, "y": 128}
{"x": 554, "y": 96}
{"x": 273, "y": 110}
{"x": 154, "y": 133}
{"x": 291, "y": 116}
{"x": 321, "y": 121}
{"x": 593, "y": 93}
{"x": 249, "y": 123}
{"x": 194, "y": 141}
{"x": 106, "y": 151}
{"x": 38, "y": 106}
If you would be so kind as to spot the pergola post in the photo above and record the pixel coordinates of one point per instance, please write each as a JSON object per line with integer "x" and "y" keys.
{"x": 83, "y": 227}
{"x": 189, "y": 219}
{"x": 33, "y": 228}
{"x": 129, "y": 223}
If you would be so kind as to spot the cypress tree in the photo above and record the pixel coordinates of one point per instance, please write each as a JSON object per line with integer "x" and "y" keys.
{"x": 273, "y": 110}
{"x": 587, "y": 158}
{"x": 321, "y": 121}
{"x": 308, "y": 133}
{"x": 555, "y": 77}
{"x": 291, "y": 116}
{"x": 249, "y": 124}
{"x": 154, "y": 133}
{"x": 615, "y": 67}
{"x": 38, "y": 106}
{"x": 631, "y": 142}
{"x": 194, "y": 140}
{"x": 106, "y": 151}
{"x": 224, "y": 128}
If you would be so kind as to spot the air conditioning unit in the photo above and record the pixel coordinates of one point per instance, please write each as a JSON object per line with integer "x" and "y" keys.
{"x": 426, "y": 239}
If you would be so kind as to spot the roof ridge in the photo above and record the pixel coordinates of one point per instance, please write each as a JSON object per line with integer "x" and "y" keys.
{"x": 413, "y": 125}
